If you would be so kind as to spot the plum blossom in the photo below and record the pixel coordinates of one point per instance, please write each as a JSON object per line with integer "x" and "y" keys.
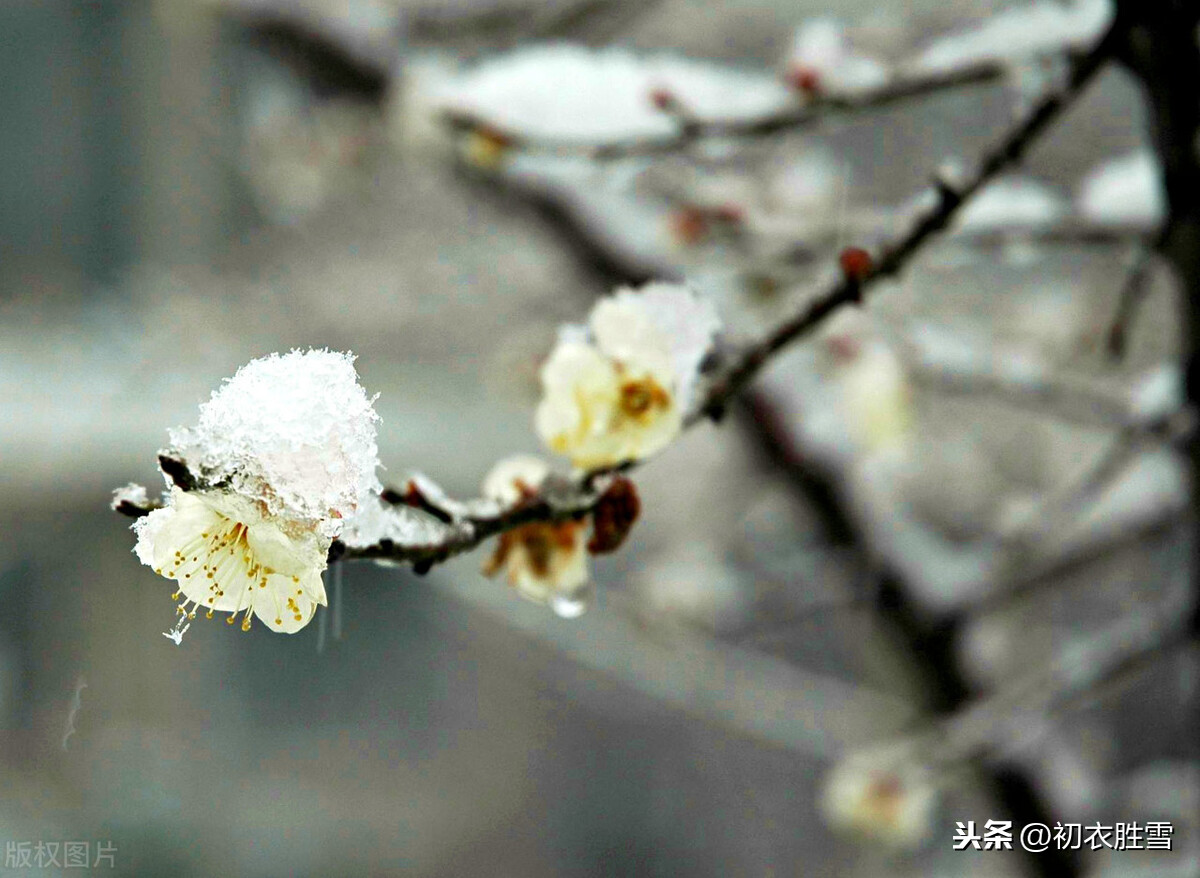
{"x": 618, "y": 389}
{"x": 546, "y": 562}
{"x": 228, "y": 554}
{"x": 875, "y": 399}
{"x": 883, "y": 793}
{"x": 283, "y": 455}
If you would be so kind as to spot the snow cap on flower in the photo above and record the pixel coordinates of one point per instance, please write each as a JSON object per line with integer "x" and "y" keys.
{"x": 884, "y": 794}
{"x": 294, "y": 431}
{"x": 546, "y": 562}
{"x": 618, "y": 389}
{"x": 284, "y": 452}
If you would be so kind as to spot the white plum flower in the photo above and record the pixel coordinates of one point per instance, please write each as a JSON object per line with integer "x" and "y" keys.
{"x": 546, "y": 562}
{"x": 229, "y": 555}
{"x": 283, "y": 455}
{"x": 874, "y": 393}
{"x": 618, "y": 389}
{"x": 823, "y": 61}
{"x": 884, "y": 794}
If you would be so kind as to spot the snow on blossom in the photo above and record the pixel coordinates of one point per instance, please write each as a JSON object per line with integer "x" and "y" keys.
{"x": 618, "y": 389}
{"x": 376, "y": 522}
{"x": 1125, "y": 191}
{"x": 882, "y": 793}
{"x": 132, "y": 494}
{"x": 821, "y": 51}
{"x": 546, "y": 562}
{"x": 508, "y": 482}
{"x": 283, "y": 453}
{"x": 228, "y": 554}
{"x": 295, "y": 432}
{"x": 576, "y": 94}
{"x": 1019, "y": 32}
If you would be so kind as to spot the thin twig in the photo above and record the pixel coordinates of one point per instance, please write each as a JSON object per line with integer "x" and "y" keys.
{"x": 994, "y": 724}
{"x": 892, "y": 258}
{"x": 1133, "y": 291}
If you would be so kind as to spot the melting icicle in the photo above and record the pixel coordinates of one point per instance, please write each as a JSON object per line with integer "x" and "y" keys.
{"x": 76, "y": 704}
{"x": 337, "y": 602}
{"x": 567, "y": 607}
{"x": 322, "y": 624}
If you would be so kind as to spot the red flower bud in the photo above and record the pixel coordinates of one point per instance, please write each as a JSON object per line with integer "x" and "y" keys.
{"x": 856, "y": 263}
{"x": 689, "y": 225}
{"x": 662, "y": 98}
{"x": 614, "y": 516}
{"x": 804, "y": 79}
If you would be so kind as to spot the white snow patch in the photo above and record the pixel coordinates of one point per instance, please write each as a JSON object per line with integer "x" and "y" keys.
{"x": 1014, "y": 202}
{"x": 575, "y": 94}
{"x": 132, "y": 493}
{"x": 1158, "y": 394}
{"x": 1016, "y": 33}
{"x": 1125, "y": 191}
{"x": 376, "y": 521}
{"x": 295, "y": 431}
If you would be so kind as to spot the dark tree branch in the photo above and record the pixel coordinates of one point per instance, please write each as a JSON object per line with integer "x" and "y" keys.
{"x": 1133, "y": 290}
{"x": 894, "y": 257}
{"x": 1161, "y": 49}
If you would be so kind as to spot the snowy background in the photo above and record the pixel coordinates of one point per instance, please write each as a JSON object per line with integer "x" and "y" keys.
{"x": 185, "y": 187}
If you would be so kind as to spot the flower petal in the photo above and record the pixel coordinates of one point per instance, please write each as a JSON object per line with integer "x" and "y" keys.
{"x": 283, "y": 605}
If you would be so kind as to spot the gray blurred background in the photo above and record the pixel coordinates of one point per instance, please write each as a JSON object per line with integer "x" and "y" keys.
{"x": 159, "y": 228}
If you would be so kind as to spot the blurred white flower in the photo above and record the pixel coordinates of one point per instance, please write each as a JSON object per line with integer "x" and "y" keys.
{"x": 229, "y": 555}
{"x": 514, "y": 477}
{"x": 883, "y": 794}
{"x": 822, "y": 61}
{"x": 876, "y": 400}
{"x": 618, "y": 389}
{"x": 546, "y": 562}
{"x": 284, "y": 453}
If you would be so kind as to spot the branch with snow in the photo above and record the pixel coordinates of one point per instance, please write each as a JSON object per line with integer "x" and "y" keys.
{"x": 944, "y": 199}
{"x": 280, "y": 475}
{"x": 622, "y": 104}
{"x": 670, "y": 110}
